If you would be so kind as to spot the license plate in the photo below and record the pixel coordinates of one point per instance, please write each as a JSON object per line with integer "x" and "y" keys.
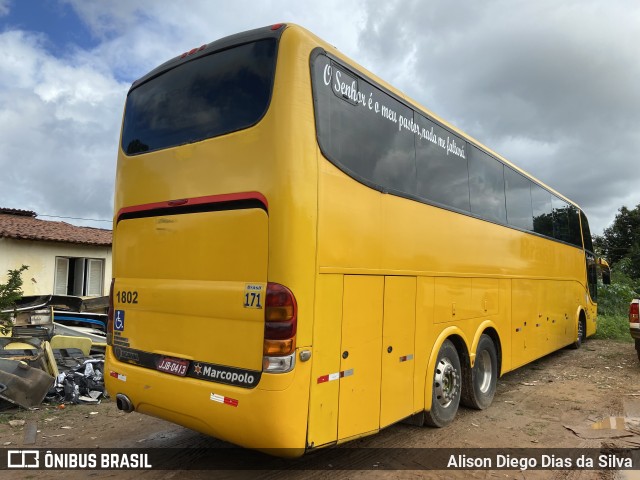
{"x": 174, "y": 366}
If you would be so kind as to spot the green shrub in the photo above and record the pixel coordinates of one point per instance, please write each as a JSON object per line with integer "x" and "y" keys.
{"x": 613, "y": 327}
{"x": 10, "y": 293}
{"x": 613, "y": 300}
{"x": 613, "y": 303}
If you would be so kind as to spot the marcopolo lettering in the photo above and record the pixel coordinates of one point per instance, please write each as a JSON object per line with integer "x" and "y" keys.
{"x": 225, "y": 375}
{"x": 219, "y": 374}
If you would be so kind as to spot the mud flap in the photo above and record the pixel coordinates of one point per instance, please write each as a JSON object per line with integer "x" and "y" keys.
{"x": 23, "y": 385}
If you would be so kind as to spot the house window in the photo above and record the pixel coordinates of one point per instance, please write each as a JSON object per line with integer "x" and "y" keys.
{"x": 79, "y": 276}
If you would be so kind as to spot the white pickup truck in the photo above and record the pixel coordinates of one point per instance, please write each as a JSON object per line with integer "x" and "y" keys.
{"x": 634, "y": 323}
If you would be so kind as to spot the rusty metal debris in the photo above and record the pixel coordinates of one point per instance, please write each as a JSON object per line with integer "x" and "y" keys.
{"x": 55, "y": 351}
{"x": 22, "y": 384}
{"x": 46, "y": 316}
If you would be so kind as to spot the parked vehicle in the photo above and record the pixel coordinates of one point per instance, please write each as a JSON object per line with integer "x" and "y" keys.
{"x": 304, "y": 256}
{"x": 634, "y": 323}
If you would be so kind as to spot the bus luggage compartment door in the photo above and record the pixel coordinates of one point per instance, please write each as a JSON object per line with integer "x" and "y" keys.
{"x": 377, "y": 365}
{"x": 398, "y": 349}
{"x": 360, "y": 368}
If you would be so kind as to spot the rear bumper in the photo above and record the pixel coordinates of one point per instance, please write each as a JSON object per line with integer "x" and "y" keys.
{"x": 272, "y": 415}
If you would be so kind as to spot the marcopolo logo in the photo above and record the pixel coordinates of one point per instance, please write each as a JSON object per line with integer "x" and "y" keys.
{"x": 219, "y": 374}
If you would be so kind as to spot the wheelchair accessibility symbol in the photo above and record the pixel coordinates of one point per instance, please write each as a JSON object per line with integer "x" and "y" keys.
{"x": 118, "y": 321}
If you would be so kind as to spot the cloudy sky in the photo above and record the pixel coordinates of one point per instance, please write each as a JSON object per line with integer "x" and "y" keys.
{"x": 552, "y": 85}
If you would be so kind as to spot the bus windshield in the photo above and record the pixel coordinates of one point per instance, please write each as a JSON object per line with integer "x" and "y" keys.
{"x": 216, "y": 94}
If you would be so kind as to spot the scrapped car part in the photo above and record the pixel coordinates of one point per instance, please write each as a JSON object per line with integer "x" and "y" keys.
{"x": 23, "y": 385}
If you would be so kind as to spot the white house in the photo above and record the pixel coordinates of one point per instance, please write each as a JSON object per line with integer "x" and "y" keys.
{"x": 63, "y": 259}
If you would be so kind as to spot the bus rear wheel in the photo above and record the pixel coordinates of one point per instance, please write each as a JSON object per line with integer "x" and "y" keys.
{"x": 479, "y": 383}
{"x": 447, "y": 378}
{"x": 582, "y": 334}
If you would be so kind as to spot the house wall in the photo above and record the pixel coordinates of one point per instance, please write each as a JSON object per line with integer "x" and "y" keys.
{"x": 40, "y": 257}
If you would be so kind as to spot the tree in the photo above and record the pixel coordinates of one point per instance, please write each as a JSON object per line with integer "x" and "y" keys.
{"x": 622, "y": 239}
{"x": 10, "y": 293}
{"x": 614, "y": 299}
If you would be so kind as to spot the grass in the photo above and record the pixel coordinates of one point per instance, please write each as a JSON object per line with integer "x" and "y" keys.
{"x": 613, "y": 327}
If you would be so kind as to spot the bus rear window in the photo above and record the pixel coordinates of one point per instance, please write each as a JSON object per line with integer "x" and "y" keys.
{"x": 203, "y": 98}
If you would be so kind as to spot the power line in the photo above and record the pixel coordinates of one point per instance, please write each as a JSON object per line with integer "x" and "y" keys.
{"x": 77, "y": 218}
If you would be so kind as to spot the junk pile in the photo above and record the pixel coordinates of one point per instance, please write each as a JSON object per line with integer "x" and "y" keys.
{"x": 82, "y": 384}
{"x": 41, "y": 362}
{"x": 45, "y": 316}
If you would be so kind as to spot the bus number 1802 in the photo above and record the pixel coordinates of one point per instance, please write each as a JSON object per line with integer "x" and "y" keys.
{"x": 127, "y": 296}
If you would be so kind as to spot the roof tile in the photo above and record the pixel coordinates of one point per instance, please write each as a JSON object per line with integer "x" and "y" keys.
{"x": 20, "y": 226}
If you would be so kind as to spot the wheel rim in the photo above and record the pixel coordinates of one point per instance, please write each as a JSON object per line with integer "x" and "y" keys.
{"x": 485, "y": 371}
{"x": 446, "y": 382}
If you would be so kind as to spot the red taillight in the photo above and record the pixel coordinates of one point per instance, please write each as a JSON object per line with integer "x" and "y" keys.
{"x": 281, "y": 320}
{"x": 110, "y": 314}
{"x": 277, "y": 26}
{"x": 634, "y": 313}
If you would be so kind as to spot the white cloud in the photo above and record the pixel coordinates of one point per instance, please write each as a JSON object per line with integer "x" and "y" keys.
{"x": 550, "y": 85}
{"x": 138, "y": 36}
{"x": 4, "y": 7}
{"x": 59, "y": 129}
{"x": 60, "y": 117}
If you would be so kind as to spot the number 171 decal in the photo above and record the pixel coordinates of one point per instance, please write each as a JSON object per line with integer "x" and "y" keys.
{"x": 253, "y": 295}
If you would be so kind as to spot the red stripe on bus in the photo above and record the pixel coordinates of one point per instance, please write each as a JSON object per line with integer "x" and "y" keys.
{"x": 209, "y": 199}
{"x": 231, "y": 401}
{"x": 335, "y": 376}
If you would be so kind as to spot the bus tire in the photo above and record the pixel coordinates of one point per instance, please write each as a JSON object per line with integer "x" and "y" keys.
{"x": 447, "y": 382}
{"x": 479, "y": 383}
{"x": 582, "y": 334}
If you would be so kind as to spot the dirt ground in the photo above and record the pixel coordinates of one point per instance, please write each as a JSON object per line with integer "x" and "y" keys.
{"x": 554, "y": 402}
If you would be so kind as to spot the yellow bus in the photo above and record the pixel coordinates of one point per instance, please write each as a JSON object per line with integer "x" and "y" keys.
{"x": 303, "y": 255}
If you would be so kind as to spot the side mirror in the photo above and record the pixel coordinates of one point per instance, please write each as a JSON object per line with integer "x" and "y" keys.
{"x": 606, "y": 271}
